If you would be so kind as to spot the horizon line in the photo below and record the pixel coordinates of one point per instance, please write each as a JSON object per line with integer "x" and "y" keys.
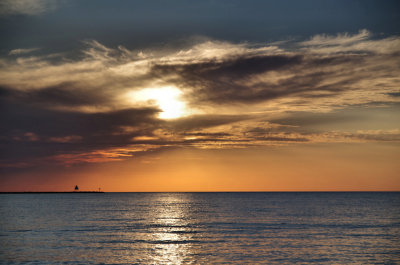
{"x": 283, "y": 191}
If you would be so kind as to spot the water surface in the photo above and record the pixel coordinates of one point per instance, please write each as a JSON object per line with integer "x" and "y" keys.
{"x": 200, "y": 228}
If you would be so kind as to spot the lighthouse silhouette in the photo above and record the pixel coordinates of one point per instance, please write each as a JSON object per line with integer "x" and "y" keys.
{"x": 76, "y": 188}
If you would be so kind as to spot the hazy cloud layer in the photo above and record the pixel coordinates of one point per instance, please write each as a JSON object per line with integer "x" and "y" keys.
{"x": 56, "y": 109}
{"x": 26, "y": 7}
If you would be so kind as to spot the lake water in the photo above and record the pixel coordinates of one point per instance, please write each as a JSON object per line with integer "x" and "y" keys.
{"x": 200, "y": 228}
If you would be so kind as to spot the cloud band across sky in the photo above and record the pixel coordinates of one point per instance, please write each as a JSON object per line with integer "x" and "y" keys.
{"x": 57, "y": 109}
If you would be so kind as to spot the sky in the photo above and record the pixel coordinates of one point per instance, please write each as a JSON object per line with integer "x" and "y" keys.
{"x": 199, "y": 95}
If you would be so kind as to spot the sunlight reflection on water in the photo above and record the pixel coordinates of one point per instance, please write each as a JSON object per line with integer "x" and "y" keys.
{"x": 169, "y": 214}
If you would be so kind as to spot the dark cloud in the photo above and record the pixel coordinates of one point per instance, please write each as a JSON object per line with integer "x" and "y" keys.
{"x": 309, "y": 119}
{"x": 231, "y": 68}
{"x": 208, "y": 134}
{"x": 18, "y": 117}
{"x": 204, "y": 121}
{"x": 240, "y": 79}
{"x": 31, "y": 131}
{"x": 218, "y": 81}
{"x": 63, "y": 94}
{"x": 283, "y": 139}
{"x": 33, "y": 134}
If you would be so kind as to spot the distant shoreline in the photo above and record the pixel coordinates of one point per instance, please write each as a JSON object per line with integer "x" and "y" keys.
{"x": 24, "y": 192}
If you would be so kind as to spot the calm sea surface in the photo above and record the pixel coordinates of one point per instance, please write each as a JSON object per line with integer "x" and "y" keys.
{"x": 200, "y": 228}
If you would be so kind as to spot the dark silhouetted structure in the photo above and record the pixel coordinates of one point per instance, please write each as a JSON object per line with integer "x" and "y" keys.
{"x": 76, "y": 188}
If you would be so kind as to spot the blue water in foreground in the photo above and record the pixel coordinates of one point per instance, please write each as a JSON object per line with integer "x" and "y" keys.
{"x": 200, "y": 228}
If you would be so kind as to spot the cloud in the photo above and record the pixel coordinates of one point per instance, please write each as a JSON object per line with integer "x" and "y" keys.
{"x": 239, "y": 95}
{"x": 216, "y": 72}
{"x": 344, "y": 43}
{"x": 22, "y": 51}
{"x": 359, "y": 136}
{"x": 66, "y": 139}
{"x": 342, "y": 39}
{"x": 26, "y": 7}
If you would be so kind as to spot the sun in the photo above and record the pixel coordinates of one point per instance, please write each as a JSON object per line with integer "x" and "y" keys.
{"x": 167, "y": 98}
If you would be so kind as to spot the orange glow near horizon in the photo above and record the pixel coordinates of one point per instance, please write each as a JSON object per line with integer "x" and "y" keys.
{"x": 293, "y": 169}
